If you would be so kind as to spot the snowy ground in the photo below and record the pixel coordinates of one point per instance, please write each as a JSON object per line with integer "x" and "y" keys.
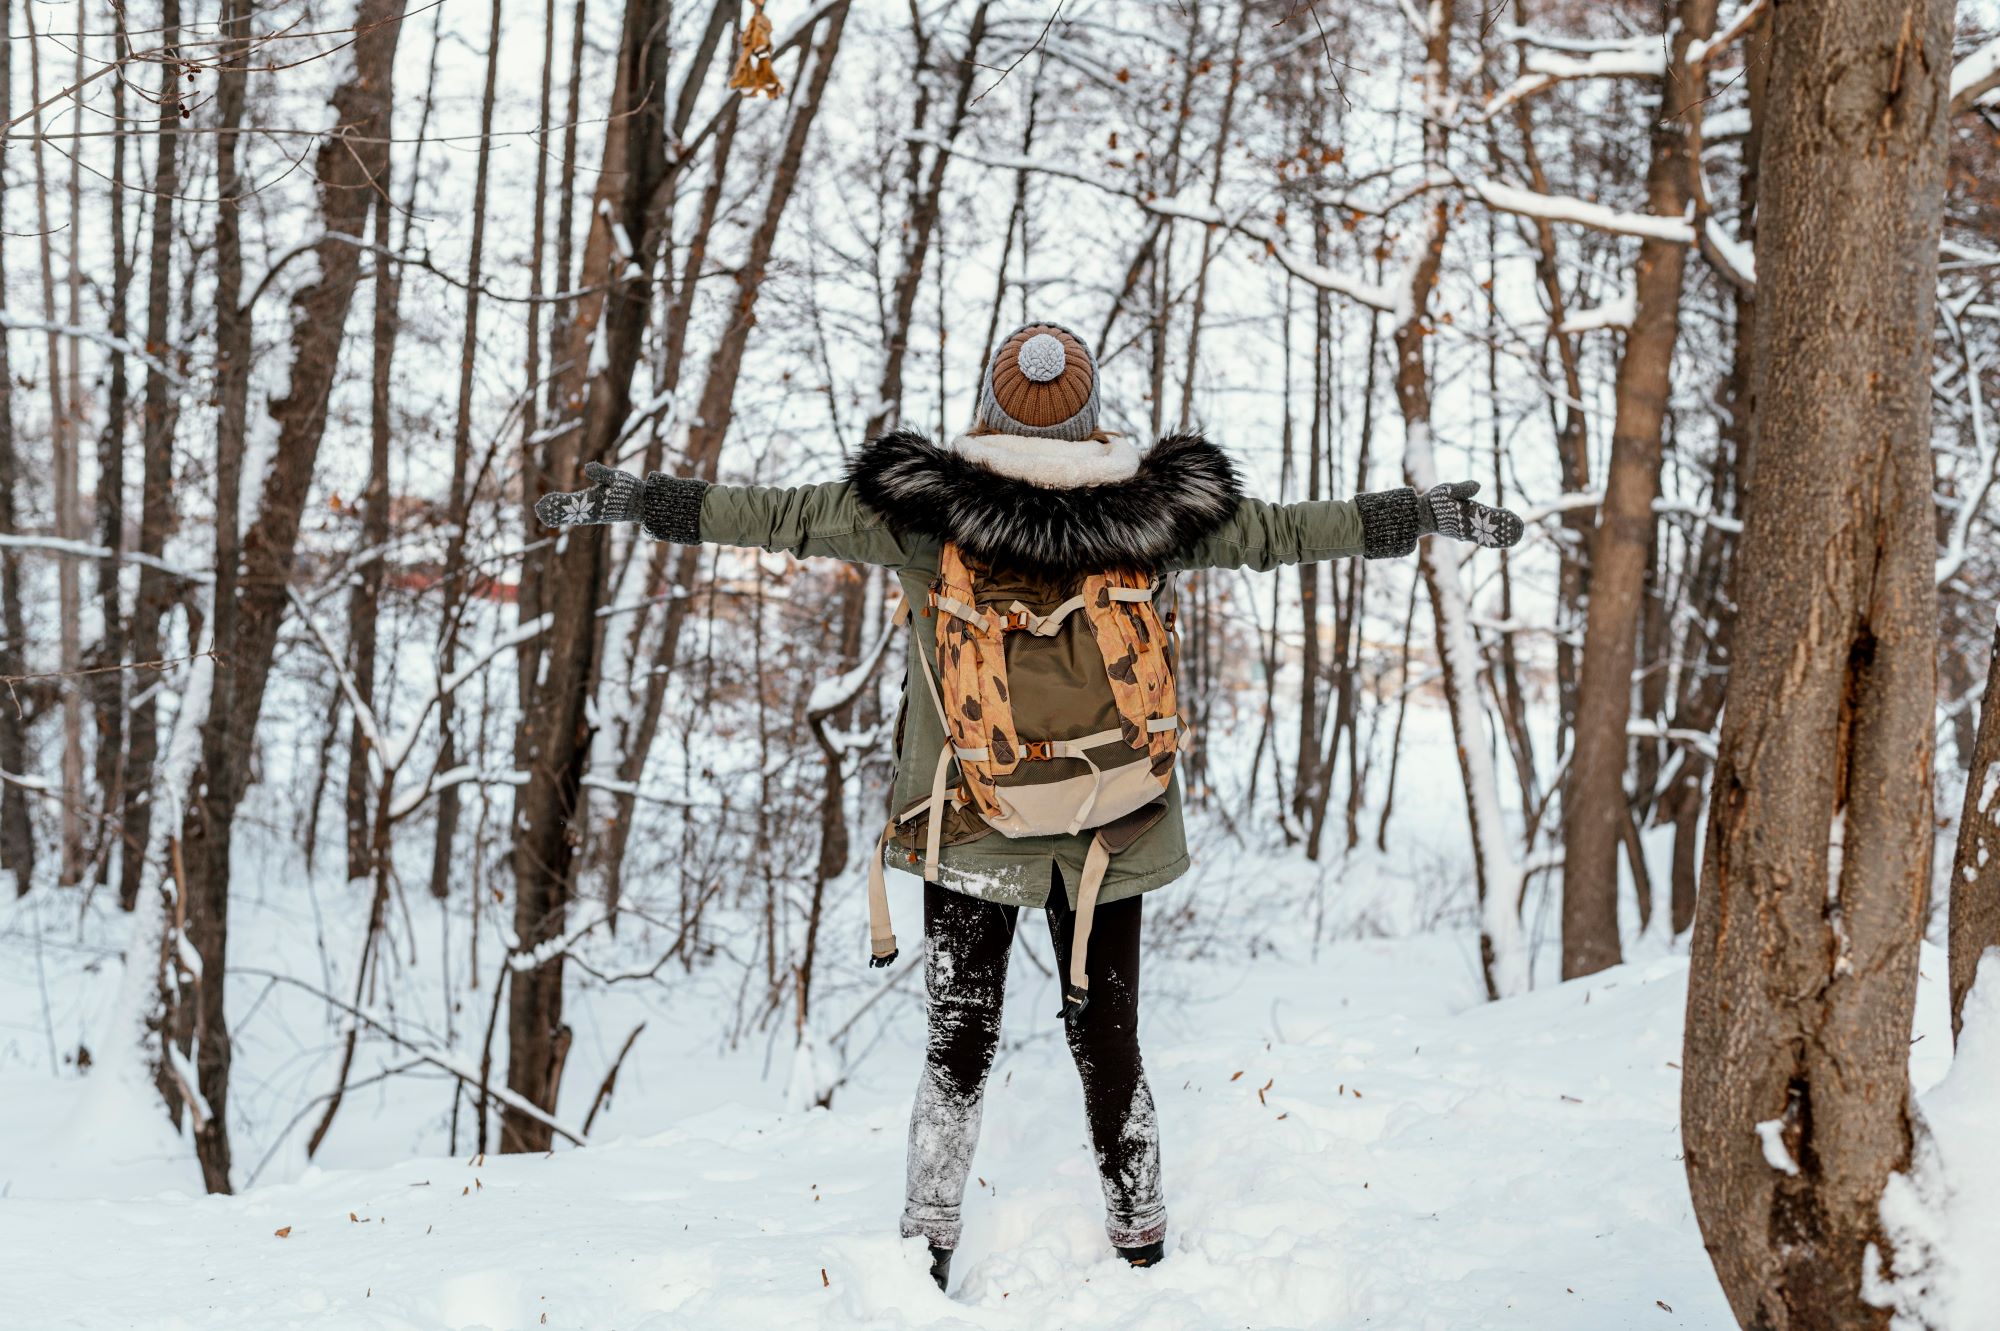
{"x": 1352, "y": 1138}
{"x": 1353, "y": 1143}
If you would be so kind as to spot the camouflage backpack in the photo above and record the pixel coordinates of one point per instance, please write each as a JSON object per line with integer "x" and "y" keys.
{"x": 1059, "y": 706}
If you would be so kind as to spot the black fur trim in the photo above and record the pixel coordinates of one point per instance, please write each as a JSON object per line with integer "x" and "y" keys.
{"x": 1185, "y": 488}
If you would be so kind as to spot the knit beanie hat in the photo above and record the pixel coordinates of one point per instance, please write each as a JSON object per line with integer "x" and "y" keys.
{"x": 1041, "y": 382}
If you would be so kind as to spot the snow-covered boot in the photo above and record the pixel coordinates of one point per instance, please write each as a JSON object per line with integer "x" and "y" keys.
{"x": 1146, "y": 1254}
{"x": 941, "y": 1265}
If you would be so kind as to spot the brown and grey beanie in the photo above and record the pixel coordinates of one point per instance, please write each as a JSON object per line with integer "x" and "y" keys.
{"x": 1041, "y": 383}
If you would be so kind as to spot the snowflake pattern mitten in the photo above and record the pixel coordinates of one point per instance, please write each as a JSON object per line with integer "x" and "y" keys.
{"x": 1448, "y": 510}
{"x": 613, "y": 496}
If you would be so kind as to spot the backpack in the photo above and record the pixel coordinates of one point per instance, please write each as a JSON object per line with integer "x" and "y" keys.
{"x": 1061, "y": 715}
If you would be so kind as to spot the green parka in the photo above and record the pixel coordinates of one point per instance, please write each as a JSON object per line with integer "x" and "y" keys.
{"x": 1183, "y": 511}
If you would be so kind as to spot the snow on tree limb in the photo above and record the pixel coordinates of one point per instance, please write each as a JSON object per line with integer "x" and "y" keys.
{"x": 1975, "y": 77}
{"x": 1556, "y": 208}
{"x": 1636, "y": 58}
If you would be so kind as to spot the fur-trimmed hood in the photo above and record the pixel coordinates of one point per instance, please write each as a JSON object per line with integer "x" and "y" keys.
{"x": 1180, "y": 491}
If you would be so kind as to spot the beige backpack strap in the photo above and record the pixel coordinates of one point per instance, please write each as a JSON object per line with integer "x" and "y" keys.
{"x": 1076, "y": 994}
{"x": 881, "y": 936}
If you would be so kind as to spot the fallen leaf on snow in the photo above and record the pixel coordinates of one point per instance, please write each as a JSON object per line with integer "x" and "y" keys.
{"x": 284, "y": 1233}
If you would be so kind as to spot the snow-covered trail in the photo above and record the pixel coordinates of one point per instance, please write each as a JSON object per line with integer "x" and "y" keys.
{"x": 1405, "y": 1166}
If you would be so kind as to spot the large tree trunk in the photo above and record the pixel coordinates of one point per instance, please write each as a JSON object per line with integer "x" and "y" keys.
{"x": 553, "y": 740}
{"x": 1805, "y": 958}
{"x": 250, "y": 594}
{"x": 1596, "y": 811}
{"x": 1975, "y": 869}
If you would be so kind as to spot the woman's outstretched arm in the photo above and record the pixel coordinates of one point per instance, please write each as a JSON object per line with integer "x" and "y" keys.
{"x": 807, "y": 520}
{"x": 1383, "y": 525}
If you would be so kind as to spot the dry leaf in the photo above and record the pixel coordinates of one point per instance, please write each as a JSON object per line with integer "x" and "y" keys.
{"x": 1663, "y": 1305}
{"x": 1235, "y": 1076}
{"x": 824, "y": 1283}
{"x": 284, "y": 1233}
{"x": 753, "y": 73}
{"x": 1265, "y": 1087}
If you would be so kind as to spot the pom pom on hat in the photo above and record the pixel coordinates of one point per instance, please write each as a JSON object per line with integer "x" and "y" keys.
{"x": 1041, "y": 358}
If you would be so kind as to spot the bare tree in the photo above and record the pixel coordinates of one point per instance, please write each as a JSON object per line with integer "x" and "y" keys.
{"x": 252, "y": 571}
{"x": 17, "y": 833}
{"x": 1597, "y": 813}
{"x": 1795, "y": 1100}
{"x": 156, "y": 464}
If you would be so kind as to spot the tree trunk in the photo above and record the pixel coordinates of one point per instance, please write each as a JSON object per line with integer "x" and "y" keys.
{"x": 593, "y": 395}
{"x": 160, "y": 415}
{"x": 1597, "y": 810}
{"x": 1975, "y": 869}
{"x": 250, "y": 595}
{"x": 458, "y": 504}
{"x": 1502, "y": 956}
{"x": 62, "y": 444}
{"x": 1804, "y": 961}
{"x": 17, "y": 834}
{"x": 108, "y": 686}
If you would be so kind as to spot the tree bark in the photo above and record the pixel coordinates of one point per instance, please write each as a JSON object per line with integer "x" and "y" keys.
{"x": 1597, "y": 809}
{"x": 1804, "y": 961}
{"x": 1497, "y": 872}
{"x": 160, "y": 415}
{"x": 252, "y": 574}
{"x": 108, "y": 686}
{"x": 593, "y": 397}
{"x": 458, "y": 503}
{"x": 17, "y": 834}
{"x": 1975, "y": 868}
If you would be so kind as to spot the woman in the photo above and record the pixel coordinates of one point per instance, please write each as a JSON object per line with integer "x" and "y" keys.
{"x": 1034, "y": 498}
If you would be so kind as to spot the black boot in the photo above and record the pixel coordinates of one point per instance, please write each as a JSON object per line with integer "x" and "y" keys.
{"x": 1146, "y": 1254}
{"x": 940, "y": 1265}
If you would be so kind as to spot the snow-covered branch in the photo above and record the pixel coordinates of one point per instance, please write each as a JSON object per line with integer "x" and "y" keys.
{"x": 1556, "y": 208}
{"x": 1975, "y": 80}
{"x": 57, "y": 545}
{"x": 117, "y": 345}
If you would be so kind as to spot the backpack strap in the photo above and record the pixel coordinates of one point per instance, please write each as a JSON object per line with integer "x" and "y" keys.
{"x": 881, "y": 936}
{"x": 1076, "y": 993}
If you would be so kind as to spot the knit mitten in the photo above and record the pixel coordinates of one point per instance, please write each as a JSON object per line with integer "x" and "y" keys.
{"x": 1448, "y": 510}
{"x": 613, "y": 496}
{"x": 669, "y": 506}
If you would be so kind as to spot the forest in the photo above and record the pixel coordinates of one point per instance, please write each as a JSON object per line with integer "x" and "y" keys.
{"x": 413, "y": 915}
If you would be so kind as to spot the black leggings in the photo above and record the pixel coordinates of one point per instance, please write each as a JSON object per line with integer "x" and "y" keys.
{"x": 966, "y": 944}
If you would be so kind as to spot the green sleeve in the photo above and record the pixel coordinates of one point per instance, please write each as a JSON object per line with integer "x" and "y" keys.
{"x": 1263, "y": 536}
{"x": 807, "y": 520}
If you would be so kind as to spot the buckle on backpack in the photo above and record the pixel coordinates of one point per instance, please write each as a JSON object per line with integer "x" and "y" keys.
{"x": 1037, "y": 750}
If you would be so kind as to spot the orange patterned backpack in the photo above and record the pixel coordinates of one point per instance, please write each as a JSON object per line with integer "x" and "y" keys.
{"x": 1058, "y": 701}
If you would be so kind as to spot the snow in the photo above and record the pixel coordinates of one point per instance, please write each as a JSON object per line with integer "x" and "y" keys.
{"x": 1975, "y": 78}
{"x": 1771, "y": 1132}
{"x": 1618, "y": 312}
{"x": 1944, "y": 1215}
{"x": 1407, "y": 1134}
{"x": 1529, "y": 203}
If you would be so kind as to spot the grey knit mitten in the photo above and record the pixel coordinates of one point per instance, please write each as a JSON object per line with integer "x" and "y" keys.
{"x": 669, "y": 506}
{"x": 613, "y": 496}
{"x": 1448, "y": 510}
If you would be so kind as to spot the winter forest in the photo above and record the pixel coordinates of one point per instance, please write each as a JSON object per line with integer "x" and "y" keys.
{"x": 421, "y": 917}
